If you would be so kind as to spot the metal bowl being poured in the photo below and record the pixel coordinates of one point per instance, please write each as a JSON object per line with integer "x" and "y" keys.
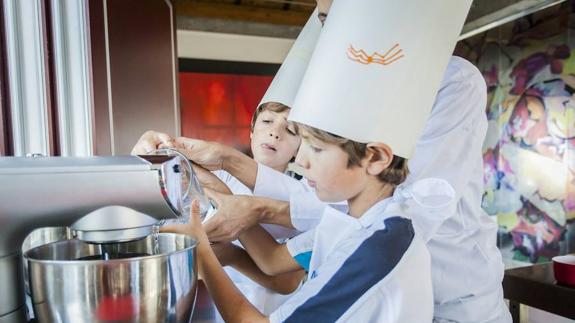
{"x": 182, "y": 190}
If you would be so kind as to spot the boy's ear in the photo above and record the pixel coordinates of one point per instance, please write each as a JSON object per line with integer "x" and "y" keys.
{"x": 379, "y": 157}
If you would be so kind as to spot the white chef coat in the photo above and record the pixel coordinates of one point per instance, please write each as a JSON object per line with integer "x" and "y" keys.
{"x": 352, "y": 278}
{"x": 265, "y": 300}
{"x": 467, "y": 268}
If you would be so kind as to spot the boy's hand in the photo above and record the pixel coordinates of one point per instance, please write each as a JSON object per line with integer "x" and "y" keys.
{"x": 152, "y": 140}
{"x": 227, "y": 253}
{"x": 193, "y": 228}
{"x": 234, "y": 215}
{"x": 210, "y": 155}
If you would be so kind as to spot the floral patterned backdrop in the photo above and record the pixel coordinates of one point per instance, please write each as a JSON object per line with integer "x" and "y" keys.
{"x": 529, "y": 67}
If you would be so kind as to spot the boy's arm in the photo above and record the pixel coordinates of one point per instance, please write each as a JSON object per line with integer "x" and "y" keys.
{"x": 231, "y": 304}
{"x": 231, "y": 255}
{"x": 270, "y": 256}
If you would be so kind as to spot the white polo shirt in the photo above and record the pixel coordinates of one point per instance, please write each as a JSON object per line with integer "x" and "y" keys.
{"x": 371, "y": 269}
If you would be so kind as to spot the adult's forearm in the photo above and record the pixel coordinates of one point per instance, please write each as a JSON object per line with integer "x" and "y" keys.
{"x": 237, "y": 213}
{"x": 241, "y": 167}
{"x": 273, "y": 211}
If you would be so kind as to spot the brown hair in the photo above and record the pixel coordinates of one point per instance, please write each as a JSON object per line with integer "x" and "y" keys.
{"x": 395, "y": 174}
{"x": 268, "y": 106}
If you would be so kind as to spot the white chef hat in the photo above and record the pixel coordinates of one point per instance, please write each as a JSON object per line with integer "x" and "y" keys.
{"x": 377, "y": 67}
{"x": 285, "y": 84}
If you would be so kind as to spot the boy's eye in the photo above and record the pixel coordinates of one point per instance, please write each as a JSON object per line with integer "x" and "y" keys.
{"x": 316, "y": 149}
{"x": 266, "y": 121}
{"x": 291, "y": 131}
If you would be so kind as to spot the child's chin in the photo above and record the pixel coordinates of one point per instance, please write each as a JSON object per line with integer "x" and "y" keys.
{"x": 326, "y": 197}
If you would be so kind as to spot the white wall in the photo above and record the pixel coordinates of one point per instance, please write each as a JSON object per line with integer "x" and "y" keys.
{"x": 232, "y": 47}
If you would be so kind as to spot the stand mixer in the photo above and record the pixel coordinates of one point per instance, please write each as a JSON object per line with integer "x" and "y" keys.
{"x": 122, "y": 196}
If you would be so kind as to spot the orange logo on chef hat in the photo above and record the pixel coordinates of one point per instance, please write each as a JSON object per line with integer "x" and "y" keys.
{"x": 394, "y": 54}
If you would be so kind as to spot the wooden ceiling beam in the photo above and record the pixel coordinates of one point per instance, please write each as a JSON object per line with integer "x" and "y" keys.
{"x": 242, "y": 13}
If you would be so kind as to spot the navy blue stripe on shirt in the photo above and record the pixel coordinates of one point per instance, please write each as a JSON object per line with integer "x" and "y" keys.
{"x": 370, "y": 263}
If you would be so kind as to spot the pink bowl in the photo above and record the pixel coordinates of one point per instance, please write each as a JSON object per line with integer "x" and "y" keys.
{"x": 564, "y": 269}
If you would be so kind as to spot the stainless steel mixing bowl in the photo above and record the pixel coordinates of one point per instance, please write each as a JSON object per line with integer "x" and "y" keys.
{"x": 137, "y": 281}
{"x": 42, "y": 236}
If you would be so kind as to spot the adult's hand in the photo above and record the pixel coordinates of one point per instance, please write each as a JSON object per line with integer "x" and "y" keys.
{"x": 152, "y": 140}
{"x": 208, "y": 154}
{"x": 215, "y": 156}
{"x": 235, "y": 213}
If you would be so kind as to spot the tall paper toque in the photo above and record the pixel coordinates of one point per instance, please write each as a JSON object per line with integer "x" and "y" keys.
{"x": 285, "y": 84}
{"x": 377, "y": 67}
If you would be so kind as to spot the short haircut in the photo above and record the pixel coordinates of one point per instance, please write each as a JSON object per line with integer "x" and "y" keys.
{"x": 395, "y": 174}
{"x": 268, "y": 106}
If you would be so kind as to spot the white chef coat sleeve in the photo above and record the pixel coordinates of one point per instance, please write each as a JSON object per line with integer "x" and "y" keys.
{"x": 429, "y": 202}
{"x": 300, "y": 248}
{"x": 450, "y": 145}
{"x": 276, "y": 185}
{"x": 455, "y": 129}
{"x": 224, "y": 176}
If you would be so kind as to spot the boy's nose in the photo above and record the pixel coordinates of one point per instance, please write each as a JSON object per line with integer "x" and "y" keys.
{"x": 301, "y": 160}
{"x": 275, "y": 132}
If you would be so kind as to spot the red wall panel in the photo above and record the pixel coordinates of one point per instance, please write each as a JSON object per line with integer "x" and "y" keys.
{"x": 219, "y": 107}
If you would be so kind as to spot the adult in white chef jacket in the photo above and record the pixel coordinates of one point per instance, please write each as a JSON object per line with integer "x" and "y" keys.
{"x": 449, "y": 148}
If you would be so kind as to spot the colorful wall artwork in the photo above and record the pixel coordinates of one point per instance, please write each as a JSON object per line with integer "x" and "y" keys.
{"x": 529, "y": 162}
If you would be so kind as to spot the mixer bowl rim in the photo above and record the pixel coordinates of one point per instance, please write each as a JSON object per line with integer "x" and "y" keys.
{"x": 193, "y": 244}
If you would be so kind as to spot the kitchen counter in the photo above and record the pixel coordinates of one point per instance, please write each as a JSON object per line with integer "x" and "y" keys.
{"x": 535, "y": 286}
